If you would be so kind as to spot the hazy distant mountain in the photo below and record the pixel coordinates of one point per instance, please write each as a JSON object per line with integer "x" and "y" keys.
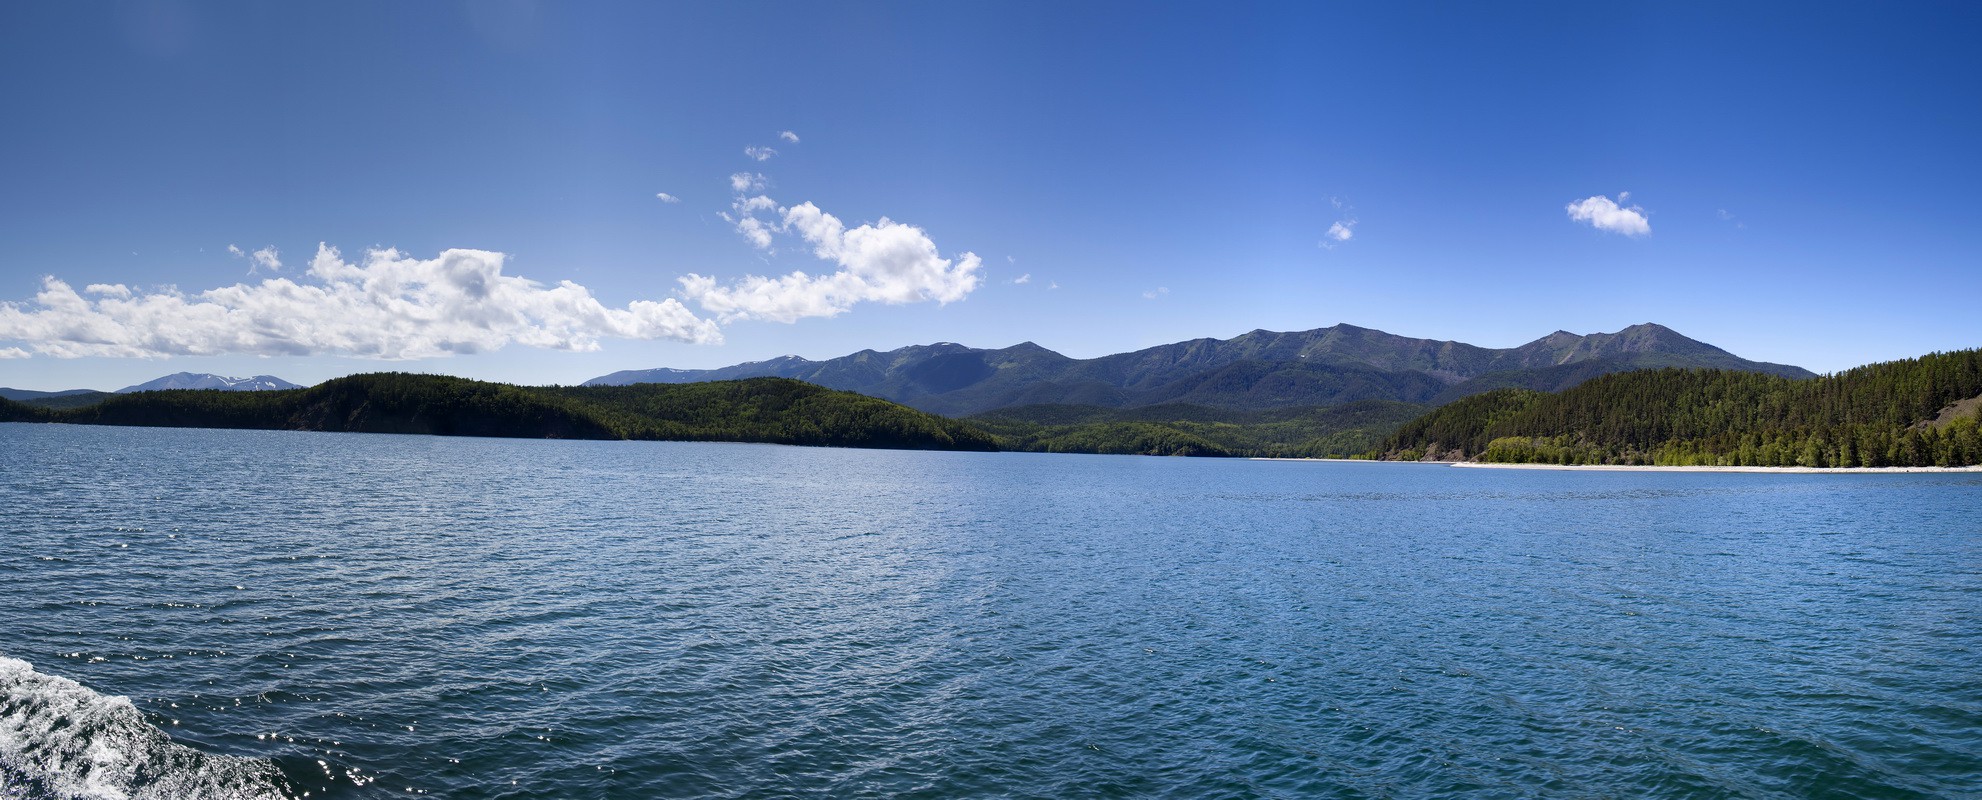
{"x": 1257, "y": 370}
{"x": 192, "y": 380}
{"x": 30, "y": 394}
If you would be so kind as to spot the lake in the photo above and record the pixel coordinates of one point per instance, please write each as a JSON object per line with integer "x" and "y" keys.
{"x": 355, "y": 615}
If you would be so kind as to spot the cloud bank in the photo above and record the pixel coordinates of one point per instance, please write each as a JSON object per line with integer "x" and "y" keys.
{"x": 388, "y": 306}
{"x": 391, "y": 305}
{"x": 1604, "y": 214}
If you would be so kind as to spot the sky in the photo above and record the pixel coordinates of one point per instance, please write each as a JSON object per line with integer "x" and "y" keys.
{"x": 548, "y": 192}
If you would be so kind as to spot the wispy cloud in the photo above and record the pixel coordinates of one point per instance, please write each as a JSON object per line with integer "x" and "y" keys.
{"x": 748, "y": 182}
{"x": 1023, "y": 279}
{"x": 388, "y": 305}
{"x": 790, "y": 137}
{"x": 759, "y": 153}
{"x": 1605, "y": 214}
{"x": 1152, "y": 294}
{"x": 1343, "y": 229}
{"x": 1727, "y": 216}
{"x": 666, "y": 198}
{"x": 266, "y": 258}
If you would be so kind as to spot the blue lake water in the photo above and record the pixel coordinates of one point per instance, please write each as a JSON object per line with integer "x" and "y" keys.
{"x": 359, "y": 615}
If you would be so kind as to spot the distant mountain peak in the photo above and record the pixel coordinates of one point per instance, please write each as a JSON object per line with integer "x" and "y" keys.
{"x": 204, "y": 380}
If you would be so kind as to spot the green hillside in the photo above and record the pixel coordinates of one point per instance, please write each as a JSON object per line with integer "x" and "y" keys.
{"x": 1192, "y": 430}
{"x": 1916, "y": 412}
{"x": 772, "y": 410}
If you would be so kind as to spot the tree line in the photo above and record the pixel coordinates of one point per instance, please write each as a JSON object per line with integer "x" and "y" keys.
{"x": 1907, "y": 413}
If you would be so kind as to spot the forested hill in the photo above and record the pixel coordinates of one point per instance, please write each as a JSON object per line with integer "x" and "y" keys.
{"x": 1189, "y": 430}
{"x": 771, "y": 410}
{"x": 1918, "y": 412}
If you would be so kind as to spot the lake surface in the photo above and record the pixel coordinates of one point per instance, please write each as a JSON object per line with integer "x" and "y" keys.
{"x": 360, "y": 615}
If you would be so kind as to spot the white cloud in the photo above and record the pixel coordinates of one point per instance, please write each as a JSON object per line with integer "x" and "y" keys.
{"x": 886, "y": 262}
{"x": 1023, "y": 279}
{"x": 666, "y": 198}
{"x": 236, "y": 251}
{"x": 1053, "y": 285}
{"x": 108, "y": 289}
{"x": 1605, "y": 214}
{"x": 1341, "y": 230}
{"x": 1155, "y": 293}
{"x": 13, "y": 352}
{"x": 755, "y": 231}
{"x": 759, "y": 153}
{"x": 746, "y": 182}
{"x": 268, "y": 258}
{"x": 787, "y": 136}
{"x": 388, "y": 306}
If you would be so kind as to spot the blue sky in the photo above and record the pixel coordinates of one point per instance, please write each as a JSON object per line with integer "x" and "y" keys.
{"x": 1798, "y": 180}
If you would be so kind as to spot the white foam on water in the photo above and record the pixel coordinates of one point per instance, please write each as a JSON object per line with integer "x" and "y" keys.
{"x": 58, "y": 739}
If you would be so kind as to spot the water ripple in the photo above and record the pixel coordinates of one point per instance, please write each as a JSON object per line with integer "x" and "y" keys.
{"x": 361, "y": 616}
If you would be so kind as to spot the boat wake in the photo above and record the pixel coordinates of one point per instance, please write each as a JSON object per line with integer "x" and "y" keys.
{"x": 58, "y": 739}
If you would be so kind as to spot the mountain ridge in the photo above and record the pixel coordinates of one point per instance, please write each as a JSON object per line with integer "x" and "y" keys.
{"x": 1256, "y": 370}
{"x": 207, "y": 380}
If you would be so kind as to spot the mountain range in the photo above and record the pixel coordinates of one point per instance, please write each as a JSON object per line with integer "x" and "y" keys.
{"x": 1254, "y": 371}
{"x": 176, "y": 380}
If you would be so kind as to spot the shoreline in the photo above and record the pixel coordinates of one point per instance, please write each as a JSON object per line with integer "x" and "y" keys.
{"x": 1651, "y": 468}
{"x": 1765, "y": 470}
